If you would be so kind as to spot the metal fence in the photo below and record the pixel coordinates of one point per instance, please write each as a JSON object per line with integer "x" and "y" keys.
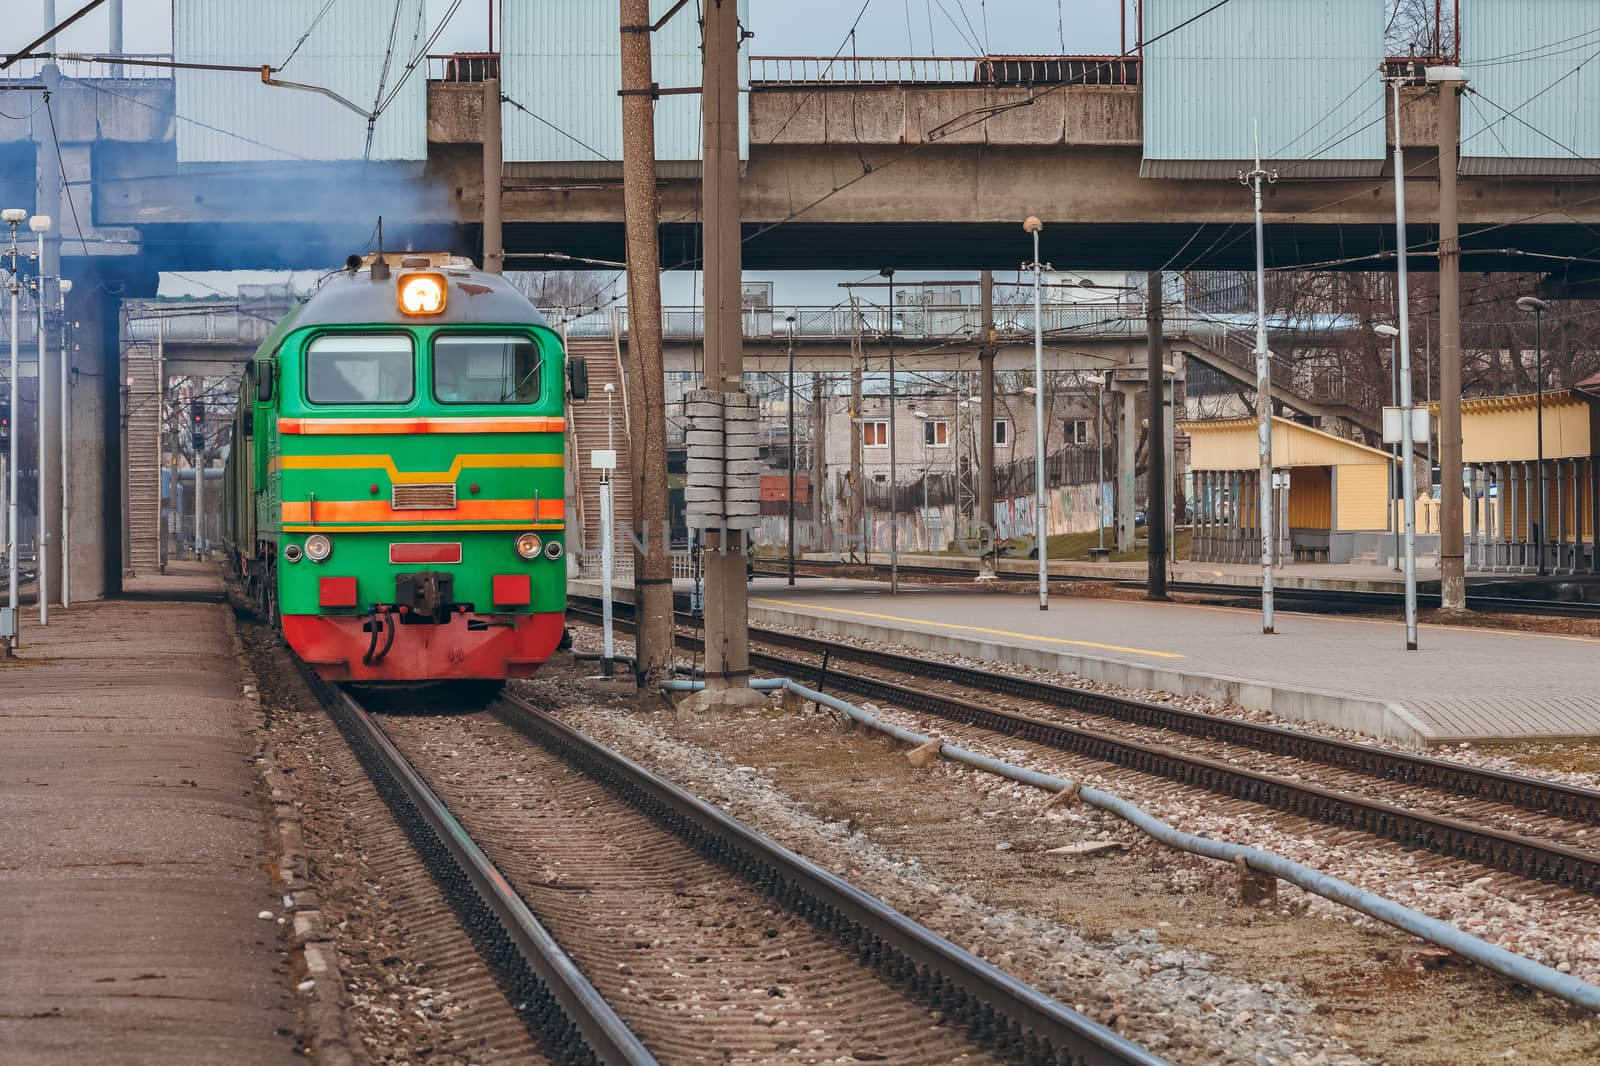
{"x": 141, "y": 66}
{"x": 776, "y": 71}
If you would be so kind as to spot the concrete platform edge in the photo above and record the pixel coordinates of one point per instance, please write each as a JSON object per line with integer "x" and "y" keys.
{"x": 1381, "y": 718}
{"x": 313, "y": 956}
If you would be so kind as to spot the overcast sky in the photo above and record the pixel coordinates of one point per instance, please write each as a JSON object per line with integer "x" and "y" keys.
{"x": 782, "y": 27}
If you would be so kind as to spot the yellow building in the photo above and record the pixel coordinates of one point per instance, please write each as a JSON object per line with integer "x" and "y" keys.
{"x": 1335, "y": 506}
{"x": 1522, "y": 509}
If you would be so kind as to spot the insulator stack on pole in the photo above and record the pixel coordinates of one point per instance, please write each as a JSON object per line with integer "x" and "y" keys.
{"x": 652, "y": 569}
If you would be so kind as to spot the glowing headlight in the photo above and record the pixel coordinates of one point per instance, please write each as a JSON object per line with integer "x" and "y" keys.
{"x": 422, "y": 294}
{"x": 318, "y": 547}
{"x": 528, "y": 545}
{"x": 552, "y": 550}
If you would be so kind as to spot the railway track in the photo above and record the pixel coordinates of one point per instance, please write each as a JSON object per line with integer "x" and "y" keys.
{"x": 623, "y": 865}
{"x": 1317, "y": 601}
{"x": 1526, "y": 826}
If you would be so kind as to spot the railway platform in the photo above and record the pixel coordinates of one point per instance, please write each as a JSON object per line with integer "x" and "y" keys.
{"x": 1463, "y": 684}
{"x": 132, "y": 862}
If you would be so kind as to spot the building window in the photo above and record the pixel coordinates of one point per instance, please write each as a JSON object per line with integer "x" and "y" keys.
{"x": 1002, "y": 432}
{"x": 875, "y": 434}
{"x": 935, "y": 433}
{"x": 1077, "y": 431}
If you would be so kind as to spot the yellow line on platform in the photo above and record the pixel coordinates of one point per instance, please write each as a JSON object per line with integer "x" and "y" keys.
{"x": 973, "y": 629}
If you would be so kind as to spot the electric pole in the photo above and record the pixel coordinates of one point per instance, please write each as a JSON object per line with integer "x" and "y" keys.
{"x": 986, "y": 349}
{"x": 1158, "y": 508}
{"x": 1452, "y": 547}
{"x": 727, "y": 639}
{"x": 494, "y": 250}
{"x": 652, "y": 570}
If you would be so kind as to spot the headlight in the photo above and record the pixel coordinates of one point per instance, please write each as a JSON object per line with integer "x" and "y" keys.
{"x": 552, "y": 550}
{"x": 318, "y": 547}
{"x": 292, "y": 553}
{"x": 528, "y": 545}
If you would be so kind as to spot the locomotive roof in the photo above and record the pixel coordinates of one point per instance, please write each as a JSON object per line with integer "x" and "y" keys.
{"x": 355, "y": 298}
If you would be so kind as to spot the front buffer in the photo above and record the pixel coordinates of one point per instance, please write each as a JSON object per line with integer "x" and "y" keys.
{"x": 386, "y": 646}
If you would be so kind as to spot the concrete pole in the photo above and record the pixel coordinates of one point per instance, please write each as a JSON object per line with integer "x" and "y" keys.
{"x": 1452, "y": 563}
{"x": 114, "y": 44}
{"x": 858, "y": 488}
{"x": 789, "y": 406}
{"x": 200, "y": 502}
{"x": 42, "y": 389}
{"x": 986, "y": 351}
{"x": 819, "y": 458}
{"x": 1041, "y": 442}
{"x": 13, "y": 579}
{"x": 63, "y": 386}
{"x": 894, "y": 472}
{"x": 727, "y": 606}
{"x": 1157, "y": 509}
{"x": 1127, "y": 456}
{"x": 1264, "y": 524}
{"x": 1408, "y": 458}
{"x": 652, "y": 570}
{"x": 49, "y": 7}
{"x": 494, "y": 250}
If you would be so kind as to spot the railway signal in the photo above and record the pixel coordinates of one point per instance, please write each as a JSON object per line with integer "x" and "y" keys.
{"x": 197, "y": 423}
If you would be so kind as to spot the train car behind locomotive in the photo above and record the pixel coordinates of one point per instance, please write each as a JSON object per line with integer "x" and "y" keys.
{"x": 395, "y": 493}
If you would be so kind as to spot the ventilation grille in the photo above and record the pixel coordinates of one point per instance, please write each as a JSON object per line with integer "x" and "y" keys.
{"x": 423, "y": 497}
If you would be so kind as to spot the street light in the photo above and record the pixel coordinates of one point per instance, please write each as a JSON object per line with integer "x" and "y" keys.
{"x": 1041, "y": 525}
{"x": 40, "y": 225}
{"x": 1383, "y": 329}
{"x": 894, "y": 486}
{"x": 13, "y": 217}
{"x": 1537, "y": 308}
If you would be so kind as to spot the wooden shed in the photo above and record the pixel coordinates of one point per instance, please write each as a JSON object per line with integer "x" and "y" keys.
{"x": 1335, "y": 506}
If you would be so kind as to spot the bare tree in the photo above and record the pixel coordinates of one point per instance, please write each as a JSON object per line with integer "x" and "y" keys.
{"x": 574, "y": 290}
{"x": 1420, "y": 27}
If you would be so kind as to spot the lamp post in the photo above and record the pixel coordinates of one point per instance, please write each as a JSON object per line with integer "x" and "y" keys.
{"x": 1390, "y": 333}
{"x": 1041, "y": 525}
{"x": 894, "y": 485}
{"x": 789, "y": 318}
{"x": 40, "y": 225}
{"x": 1408, "y": 466}
{"x": 13, "y": 217}
{"x": 1538, "y": 307}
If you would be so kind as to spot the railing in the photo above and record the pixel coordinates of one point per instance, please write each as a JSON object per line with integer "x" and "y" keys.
{"x": 464, "y": 66}
{"x": 129, "y": 66}
{"x": 775, "y": 71}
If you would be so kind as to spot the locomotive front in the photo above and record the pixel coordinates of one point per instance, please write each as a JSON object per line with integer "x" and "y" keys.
{"x": 411, "y": 482}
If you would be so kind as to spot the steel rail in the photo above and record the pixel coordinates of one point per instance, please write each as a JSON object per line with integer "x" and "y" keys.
{"x": 1014, "y": 1019}
{"x": 1518, "y": 790}
{"x": 539, "y": 978}
{"x": 1525, "y": 856}
{"x": 1533, "y": 794}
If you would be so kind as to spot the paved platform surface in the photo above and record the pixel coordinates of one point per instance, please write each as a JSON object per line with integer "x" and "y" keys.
{"x": 131, "y": 863}
{"x": 1463, "y": 684}
{"x": 1341, "y": 577}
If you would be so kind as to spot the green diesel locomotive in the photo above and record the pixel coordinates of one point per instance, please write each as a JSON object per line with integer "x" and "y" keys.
{"x": 395, "y": 493}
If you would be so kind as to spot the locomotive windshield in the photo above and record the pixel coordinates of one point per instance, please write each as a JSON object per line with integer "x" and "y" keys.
{"x": 364, "y": 369}
{"x": 485, "y": 368}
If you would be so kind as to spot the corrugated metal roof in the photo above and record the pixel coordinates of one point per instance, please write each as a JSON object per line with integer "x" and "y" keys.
{"x": 561, "y": 60}
{"x": 1230, "y": 444}
{"x": 1307, "y": 69}
{"x": 360, "y": 49}
{"x": 1537, "y": 61}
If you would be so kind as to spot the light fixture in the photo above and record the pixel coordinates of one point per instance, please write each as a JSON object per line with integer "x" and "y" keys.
{"x": 553, "y": 550}
{"x": 1029, "y": 390}
{"x": 292, "y": 553}
{"x": 39, "y": 223}
{"x": 422, "y": 294}
{"x": 1383, "y": 329}
{"x": 14, "y": 216}
{"x": 528, "y": 545}
{"x": 1435, "y": 75}
{"x": 66, "y": 287}
{"x": 318, "y": 547}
